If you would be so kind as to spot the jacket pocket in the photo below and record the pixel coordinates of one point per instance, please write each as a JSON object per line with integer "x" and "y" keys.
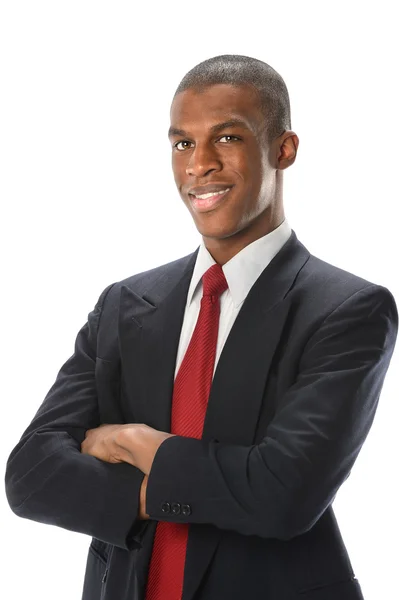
{"x": 100, "y": 550}
{"x": 96, "y": 570}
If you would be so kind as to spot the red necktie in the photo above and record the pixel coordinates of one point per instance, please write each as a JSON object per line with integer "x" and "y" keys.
{"x": 190, "y": 398}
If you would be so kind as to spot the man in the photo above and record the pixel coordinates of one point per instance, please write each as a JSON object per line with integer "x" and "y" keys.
{"x": 214, "y": 405}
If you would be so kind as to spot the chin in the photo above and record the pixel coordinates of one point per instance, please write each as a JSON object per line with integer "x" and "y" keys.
{"x": 218, "y": 232}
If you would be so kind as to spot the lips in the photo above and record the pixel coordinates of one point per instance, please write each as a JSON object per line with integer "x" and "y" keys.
{"x": 207, "y": 204}
{"x": 209, "y": 188}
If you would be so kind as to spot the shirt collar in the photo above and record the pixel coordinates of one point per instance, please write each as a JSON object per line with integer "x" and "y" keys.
{"x": 244, "y": 268}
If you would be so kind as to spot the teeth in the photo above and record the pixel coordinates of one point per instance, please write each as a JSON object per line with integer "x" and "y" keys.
{"x": 205, "y": 196}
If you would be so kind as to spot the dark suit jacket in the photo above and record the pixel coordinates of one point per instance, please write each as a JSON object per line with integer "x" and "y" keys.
{"x": 292, "y": 400}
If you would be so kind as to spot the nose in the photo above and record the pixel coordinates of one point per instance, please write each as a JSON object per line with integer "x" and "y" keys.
{"x": 203, "y": 160}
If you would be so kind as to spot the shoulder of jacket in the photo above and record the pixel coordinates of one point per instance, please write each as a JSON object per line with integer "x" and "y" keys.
{"x": 325, "y": 273}
{"x": 327, "y": 286}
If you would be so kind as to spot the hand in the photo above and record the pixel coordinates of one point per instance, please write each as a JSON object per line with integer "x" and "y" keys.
{"x": 101, "y": 442}
{"x": 141, "y": 443}
{"x": 133, "y": 443}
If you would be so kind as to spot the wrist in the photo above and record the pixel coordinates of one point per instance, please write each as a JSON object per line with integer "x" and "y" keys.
{"x": 124, "y": 444}
{"x": 143, "y": 493}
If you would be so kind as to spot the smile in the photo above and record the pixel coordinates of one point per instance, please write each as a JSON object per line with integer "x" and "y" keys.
{"x": 208, "y": 201}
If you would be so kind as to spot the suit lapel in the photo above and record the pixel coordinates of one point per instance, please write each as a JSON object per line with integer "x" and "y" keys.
{"x": 237, "y": 390}
{"x": 149, "y": 333}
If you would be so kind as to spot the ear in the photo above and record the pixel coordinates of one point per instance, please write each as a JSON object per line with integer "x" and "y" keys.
{"x": 288, "y": 144}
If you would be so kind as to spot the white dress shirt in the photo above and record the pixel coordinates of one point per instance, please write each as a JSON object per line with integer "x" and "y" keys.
{"x": 241, "y": 272}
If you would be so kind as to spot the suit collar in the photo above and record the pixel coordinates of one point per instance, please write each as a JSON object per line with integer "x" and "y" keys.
{"x": 244, "y": 268}
{"x": 176, "y": 277}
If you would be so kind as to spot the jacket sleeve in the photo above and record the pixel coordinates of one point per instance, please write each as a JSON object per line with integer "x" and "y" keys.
{"x": 49, "y": 480}
{"x": 281, "y": 486}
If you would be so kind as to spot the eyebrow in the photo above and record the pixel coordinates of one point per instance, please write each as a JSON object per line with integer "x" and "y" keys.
{"x": 218, "y": 127}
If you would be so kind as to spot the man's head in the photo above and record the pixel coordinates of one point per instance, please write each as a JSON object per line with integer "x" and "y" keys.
{"x": 247, "y": 156}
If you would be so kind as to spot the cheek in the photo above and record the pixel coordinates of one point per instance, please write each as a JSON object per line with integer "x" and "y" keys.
{"x": 177, "y": 173}
{"x": 179, "y": 165}
{"x": 247, "y": 169}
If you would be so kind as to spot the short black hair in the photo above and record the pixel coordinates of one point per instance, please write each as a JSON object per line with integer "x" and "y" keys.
{"x": 240, "y": 70}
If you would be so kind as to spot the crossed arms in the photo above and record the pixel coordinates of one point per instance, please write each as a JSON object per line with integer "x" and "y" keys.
{"x": 277, "y": 488}
{"x": 130, "y": 443}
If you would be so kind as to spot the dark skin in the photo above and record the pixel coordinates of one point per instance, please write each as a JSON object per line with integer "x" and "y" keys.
{"x": 240, "y": 156}
{"x": 252, "y": 164}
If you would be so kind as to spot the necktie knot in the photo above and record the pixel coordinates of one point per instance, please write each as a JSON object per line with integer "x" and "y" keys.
{"x": 214, "y": 282}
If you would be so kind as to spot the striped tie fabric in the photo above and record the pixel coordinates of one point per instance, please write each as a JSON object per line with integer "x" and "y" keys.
{"x": 190, "y": 398}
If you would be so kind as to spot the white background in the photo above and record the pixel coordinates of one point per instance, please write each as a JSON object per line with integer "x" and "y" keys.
{"x": 88, "y": 197}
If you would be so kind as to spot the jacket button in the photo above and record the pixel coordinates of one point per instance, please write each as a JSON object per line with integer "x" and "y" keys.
{"x": 176, "y": 508}
{"x": 165, "y": 507}
{"x": 186, "y": 509}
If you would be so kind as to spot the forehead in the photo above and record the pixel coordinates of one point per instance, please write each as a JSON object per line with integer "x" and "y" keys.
{"x": 216, "y": 103}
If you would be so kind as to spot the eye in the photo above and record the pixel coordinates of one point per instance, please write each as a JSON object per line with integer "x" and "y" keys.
{"x": 229, "y": 136}
{"x": 176, "y": 145}
{"x": 181, "y": 142}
